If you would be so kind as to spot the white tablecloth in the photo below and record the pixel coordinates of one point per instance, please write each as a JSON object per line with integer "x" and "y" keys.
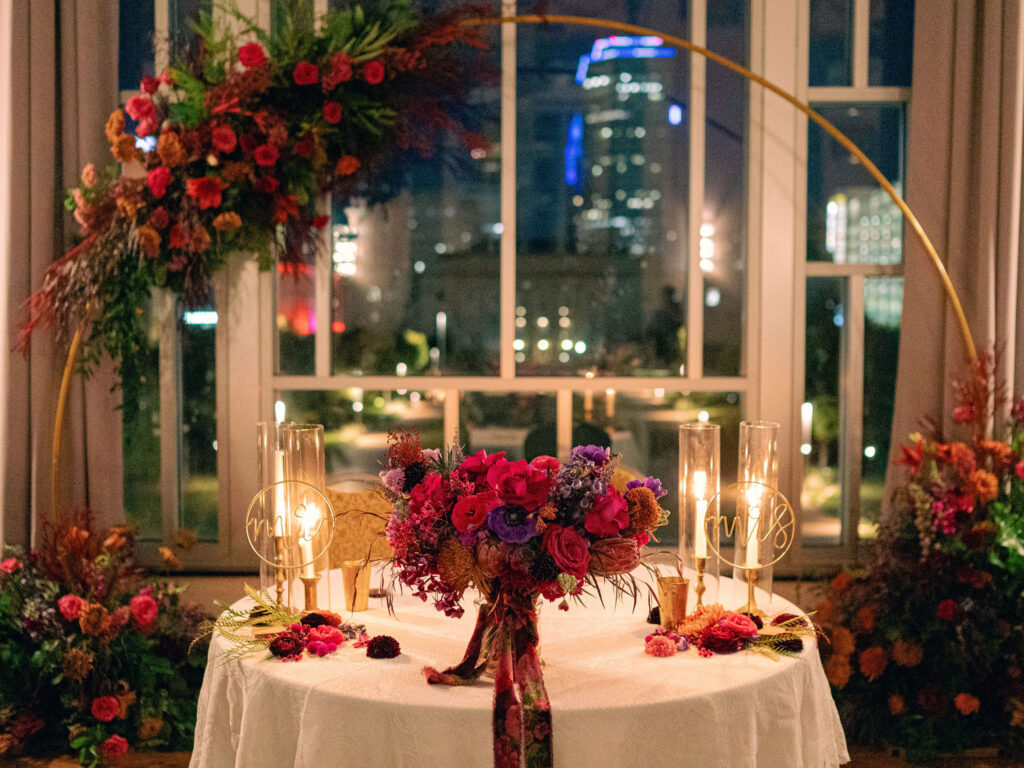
{"x": 612, "y": 705}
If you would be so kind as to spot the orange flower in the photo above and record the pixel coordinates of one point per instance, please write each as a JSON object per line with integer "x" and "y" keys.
{"x": 149, "y": 241}
{"x": 872, "y": 663}
{"x": 842, "y": 583}
{"x": 150, "y": 728}
{"x": 123, "y": 149}
{"x": 956, "y": 453}
{"x": 89, "y": 177}
{"x": 227, "y": 221}
{"x": 842, "y": 641}
{"x": 115, "y": 126}
{"x": 171, "y": 562}
{"x": 235, "y": 171}
{"x": 170, "y": 150}
{"x": 92, "y": 619}
{"x": 865, "y": 619}
{"x": 907, "y": 654}
{"x": 127, "y": 207}
{"x": 207, "y": 190}
{"x": 986, "y": 486}
{"x": 838, "y": 670}
{"x": 348, "y": 165}
{"x": 824, "y": 612}
{"x": 643, "y": 508}
{"x": 285, "y": 207}
{"x": 125, "y": 701}
{"x": 897, "y": 706}
{"x": 200, "y": 239}
{"x": 966, "y": 704}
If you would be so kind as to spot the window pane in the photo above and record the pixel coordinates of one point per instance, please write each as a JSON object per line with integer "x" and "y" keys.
{"x": 831, "y": 42}
{"x": 724, "y": 222}
{"x": 883, "y": 304}
{"x": 820, "y": 498}
{"x": 356, "y": 424}
{"x": 140, "y": 440}
{"x": 416, "y": 282}
{"x": 520, "y": 423}
{"x": 198, "y": 371}
{"x": 891, "y": 48}
{"x": 849, "y": 218}
{"x": 602, "y": 173}
{"x": 180, "y": 15}
{"x": 135, "y": 44}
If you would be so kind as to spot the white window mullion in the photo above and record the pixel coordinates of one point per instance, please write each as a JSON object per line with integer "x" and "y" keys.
{"x": 851, "y": 412}
{"x": 861, "y": 40}
{"x": 161, "y": 34}
{"x": 170, "y": 415}
{"x": 695, "y": 279}
{"x": 508, "y": 193}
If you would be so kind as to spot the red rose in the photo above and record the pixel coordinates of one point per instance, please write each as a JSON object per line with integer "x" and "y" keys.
{"x": 332, "y": 112}
{"x": 223, "y": 139}
{"x": 144, "y": 609}
{"x": 373, "y": 72}
{"x": 471, "y": 511}
{"x": 609, "y": 515}
{"x": 948, "y": 610}
{"x": 114, "y": 747}
{"x": 519, "y": 484}
{"x": 548, "y": 464}
{"x": 141, "y": 108}
{"x": 159, "y": 218}
{"x": 347, "y": 165}
{"x": 158, "y": 180}
{"x": 265, "y": 155}
{"x": 70, "y": 606}
{"x": 248, "y": 142}
{"x": 105, "y": 708}
{"x": 321, "y": 221}
{"x": 568, "y": 549}
{"x": 149, "y": 85}
{"x": 252, "y": 55}
{"x": 304, "y": 148}
{"x": 207, "y": 190}
{"x": 614, "y": 556}
{"x": 305, "y": 73}
{"x": 267, "y": 184}
{"x": 741, "y": 626}
{"x": 1019, "y": 469}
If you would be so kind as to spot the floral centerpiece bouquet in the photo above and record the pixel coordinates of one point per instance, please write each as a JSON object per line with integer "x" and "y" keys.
{"x": 927, "y": 648}
{"x": 94, "y": 656}
{"x": 518, "y": 531}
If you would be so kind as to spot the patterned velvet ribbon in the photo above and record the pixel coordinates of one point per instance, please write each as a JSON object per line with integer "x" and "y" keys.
{"x": 506, "y": 635}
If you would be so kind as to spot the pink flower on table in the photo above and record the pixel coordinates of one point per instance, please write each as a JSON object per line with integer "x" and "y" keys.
{"x": 609, "y": 515}
{"x": 105, "y": 708}
{"x": 144, "y": 609}
{"x": 10, "y": 565}
{"x": 660, "y": 645}
{"x": 114, "y": 747}
{"x": 70, "y": 606}
{"x": 742, "y": 626}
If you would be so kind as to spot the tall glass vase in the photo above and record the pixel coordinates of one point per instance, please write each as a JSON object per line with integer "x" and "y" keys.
{"x": 270, "y": 525}
{"x": 699, "y": 484}
{"x": 313, "y": 524}
{"x": 758, "y": 471}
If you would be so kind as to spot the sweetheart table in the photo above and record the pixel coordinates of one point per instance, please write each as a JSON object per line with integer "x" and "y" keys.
{"x": 612, "y": 705}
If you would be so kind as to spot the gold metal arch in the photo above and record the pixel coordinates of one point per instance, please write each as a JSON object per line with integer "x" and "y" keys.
{"x": 678, "y": 42}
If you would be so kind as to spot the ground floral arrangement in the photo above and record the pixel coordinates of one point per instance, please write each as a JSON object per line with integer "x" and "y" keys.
{"x": 927, "y": 648}
{"x": 519, "y": 532}
{"x": 96, "y": 657}
{"x": 713, "y": 630}
{"x": 246, "y": 135}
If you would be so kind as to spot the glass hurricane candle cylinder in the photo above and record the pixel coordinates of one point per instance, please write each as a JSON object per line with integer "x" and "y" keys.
{"x": 759, "y": 468}
{"x": 699, "y": 483}
{"x": 271, "y": 520}
{"x": 311, "y": 523}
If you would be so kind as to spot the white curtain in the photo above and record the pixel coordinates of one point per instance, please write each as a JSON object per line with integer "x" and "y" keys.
{"x": 964, "y": 170}
{"x": 59, "y": 65}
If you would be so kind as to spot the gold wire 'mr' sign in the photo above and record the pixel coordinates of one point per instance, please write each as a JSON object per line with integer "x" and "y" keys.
{"x": 762, "y": 524}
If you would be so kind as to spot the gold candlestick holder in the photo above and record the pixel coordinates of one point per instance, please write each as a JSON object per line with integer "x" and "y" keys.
{"x": 751, "y": 606}
{"x": 309, "y": 591}
{"x": 279, "y": 559}
{"x": 699, "y": 588}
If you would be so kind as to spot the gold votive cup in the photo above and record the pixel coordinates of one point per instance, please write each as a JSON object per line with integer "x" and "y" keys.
{"x": 672, "y": 594}
{"x": 355, "y": 583}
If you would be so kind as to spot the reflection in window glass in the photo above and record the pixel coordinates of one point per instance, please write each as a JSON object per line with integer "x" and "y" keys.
{"x": 820, "y": 500}
{"x": 296, "y": 316}
{"x": 849, "y": 218}
{"x": 520, "y": 423}
{"x": 831, "y": 43}
{"x": 601, "y": 203}
{"x": 723, "y": 227}
{"x": 883, "y": 305}
{"x": 891, "y": 47}
{"x": 416, "y": 282}
{"x": 140, "y": 440}
{"x": 356, "y": 424}
{"x": 136, "y": 22}
{"x": 198, "y": 372}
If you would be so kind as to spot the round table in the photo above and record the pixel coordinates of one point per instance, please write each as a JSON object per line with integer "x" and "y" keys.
{"x": 612, "y": 705}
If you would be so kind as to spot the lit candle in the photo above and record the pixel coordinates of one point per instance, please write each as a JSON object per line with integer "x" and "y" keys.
{"x": 309, "y": 523}
{"x": 700, "y": 538}
{"x": 753, "y": 518}
{"x": 280, "y": 506}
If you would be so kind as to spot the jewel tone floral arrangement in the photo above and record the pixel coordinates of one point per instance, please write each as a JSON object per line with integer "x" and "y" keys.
{"x": 713, "y": 630}
{"x": 927, "y": 647}
{"x": 244, "y": 137}
{"x": 96, "y": 658}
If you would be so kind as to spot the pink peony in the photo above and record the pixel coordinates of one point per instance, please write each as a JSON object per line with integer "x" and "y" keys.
{"x": 568, "y": 549}
{"x": 114, "y": 747}
{"x": 70, "y": 606}
{"x": 519, "y": 484}
{"x": 252, "y": 55}
{"x": 10, "y": 565}
{"x": 741, "y": 626}
{"x": 144, "y": 609}
{"x": 609, "y": 515}
{"x": 105, "y": 708}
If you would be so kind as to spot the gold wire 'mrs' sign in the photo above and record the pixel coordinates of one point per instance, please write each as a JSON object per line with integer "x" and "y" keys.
{"x": 758, "y": 519}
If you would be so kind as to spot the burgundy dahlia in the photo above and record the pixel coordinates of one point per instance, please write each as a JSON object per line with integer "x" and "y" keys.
{"x": 719, "y": 639}
{"x": 287, "y": 647}
{"x": 383, "y": 647}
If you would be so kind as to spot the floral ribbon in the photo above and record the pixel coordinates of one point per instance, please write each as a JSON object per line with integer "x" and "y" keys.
{"x": 506, "y": 634}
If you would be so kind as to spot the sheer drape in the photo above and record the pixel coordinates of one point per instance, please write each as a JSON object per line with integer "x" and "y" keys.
{"x": 964, "y": 182}
{"x": 62, "y": 63}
